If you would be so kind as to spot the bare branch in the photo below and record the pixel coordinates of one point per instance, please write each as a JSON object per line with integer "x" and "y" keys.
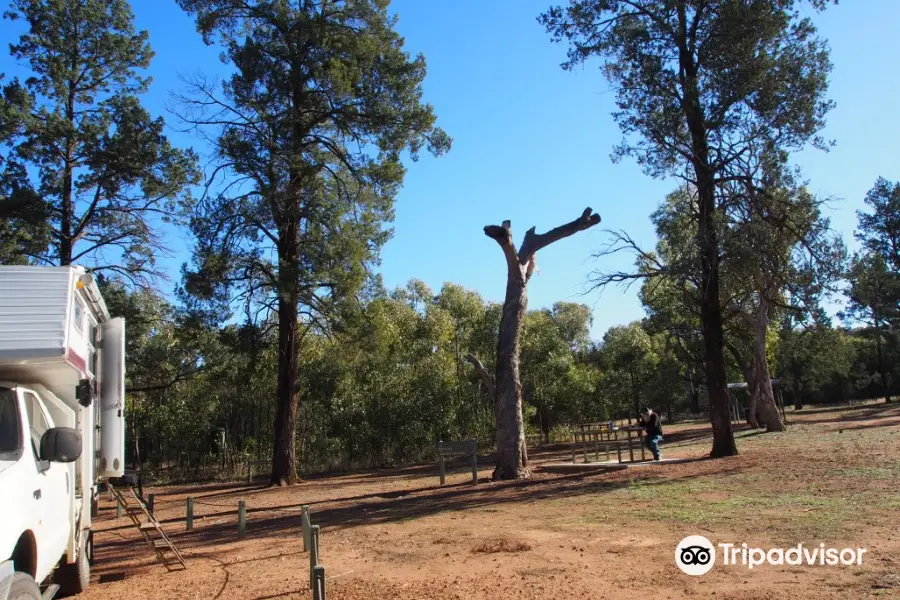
{"x": 651, "y": 266}
{"x": 534, "y": 242}
{"x": 482, "y": 371}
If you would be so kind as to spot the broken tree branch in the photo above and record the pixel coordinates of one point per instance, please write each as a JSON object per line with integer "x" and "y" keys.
{"x": 502, "y": 234}
{"x": 482, "y": 371}
{"x": 521, "y": 264}
{"x": 534, "y": 241}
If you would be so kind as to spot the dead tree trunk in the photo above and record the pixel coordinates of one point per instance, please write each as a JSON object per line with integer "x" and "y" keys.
{"x": 512, "y": 457}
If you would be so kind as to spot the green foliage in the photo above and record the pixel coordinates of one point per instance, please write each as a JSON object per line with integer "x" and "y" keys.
{"x": 879, "y": 231}
{"x": 24, "y": 233}
{"x": 874, "y": 295}
{"x": 665, "y": 59}
{"x": 814, "y": 358}
{"x": 555, "y": 379}
{"x": 391, "y": 379}
{"x": 874, "y": 276}
{"x": 310, "y": 137}
{"x": 80, "y": 141}
{"x": 628, "y": 359}
{"x": 704, "y": 92}
{"x": 874, "y": 292}
{"x": 380, "y": 390}
{"x": 309, "y": 131}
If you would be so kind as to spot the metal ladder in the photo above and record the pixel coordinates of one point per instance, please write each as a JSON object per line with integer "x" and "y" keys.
{"x": 162, "y": 543}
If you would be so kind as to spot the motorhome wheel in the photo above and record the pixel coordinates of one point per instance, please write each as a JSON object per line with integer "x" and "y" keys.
{"x": 24, "y": 588}
{"x": 74, "y": 578}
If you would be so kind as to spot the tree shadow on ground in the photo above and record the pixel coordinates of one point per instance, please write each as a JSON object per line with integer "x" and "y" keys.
{"x": 895, "y": 422}
{"x": 884, "y": 412}
{"x": 341, "y": 515}
{"x": 350, "y": 512}
{"x": 232, "y": 509}
{"x": 833, "y": 408}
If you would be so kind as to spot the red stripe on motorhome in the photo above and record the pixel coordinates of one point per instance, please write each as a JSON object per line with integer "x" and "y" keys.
{"x": 76, "y": 361}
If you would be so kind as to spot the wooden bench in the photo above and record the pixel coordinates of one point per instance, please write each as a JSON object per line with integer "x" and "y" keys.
{"x": 447, "y": 450}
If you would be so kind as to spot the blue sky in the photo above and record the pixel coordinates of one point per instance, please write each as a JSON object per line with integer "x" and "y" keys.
{"x": 532, "y": 142}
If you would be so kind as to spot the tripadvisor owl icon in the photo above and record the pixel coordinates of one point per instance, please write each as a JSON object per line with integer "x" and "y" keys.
{"x": 695, "y": 555}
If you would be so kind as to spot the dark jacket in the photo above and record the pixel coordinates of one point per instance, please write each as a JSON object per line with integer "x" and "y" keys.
{"x": 653, "y": 426}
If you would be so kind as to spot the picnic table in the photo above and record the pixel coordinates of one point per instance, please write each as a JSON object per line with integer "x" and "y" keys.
{"x": 608, "y": 436}
{"x": 639, "y": 430}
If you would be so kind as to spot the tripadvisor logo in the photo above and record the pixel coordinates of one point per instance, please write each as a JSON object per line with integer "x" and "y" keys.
{"x": 696, "y": 555}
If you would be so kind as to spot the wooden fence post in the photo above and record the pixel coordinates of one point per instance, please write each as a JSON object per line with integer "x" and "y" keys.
{"x": 242, "y": 519}
{"x": 475, "y": 462}
{"x": 189, "y": 517}
{"x": 150, "y": 500}
{"x": 440, "y": 447}
{"x": 641, "y": 441}
{"x": 304, "y": 520}
{"x": 319, "y": 579}
{"x": 313, "y": 555}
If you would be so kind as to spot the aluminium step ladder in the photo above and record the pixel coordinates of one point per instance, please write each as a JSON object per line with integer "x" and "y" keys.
{"x": 161, "y": 544}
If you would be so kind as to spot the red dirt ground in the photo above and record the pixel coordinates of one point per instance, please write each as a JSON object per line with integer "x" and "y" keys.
{"x": 831, "y": 478}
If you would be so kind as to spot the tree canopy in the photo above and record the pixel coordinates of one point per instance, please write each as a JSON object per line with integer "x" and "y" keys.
{"x": 83, "y": 157}
{"x": 308, "y": 134}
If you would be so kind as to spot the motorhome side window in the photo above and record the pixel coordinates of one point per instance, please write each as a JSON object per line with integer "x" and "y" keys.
{"x": 36, "y": 418}
{"x": 79, "y": 315}
{"x": 10, "y": 430}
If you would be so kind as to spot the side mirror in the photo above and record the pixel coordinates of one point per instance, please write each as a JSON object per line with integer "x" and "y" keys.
{"x": 85, "y": 392}
{"x": 61, "y": 444}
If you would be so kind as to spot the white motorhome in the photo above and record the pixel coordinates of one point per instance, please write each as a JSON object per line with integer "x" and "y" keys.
{"x": 62, "y": 424}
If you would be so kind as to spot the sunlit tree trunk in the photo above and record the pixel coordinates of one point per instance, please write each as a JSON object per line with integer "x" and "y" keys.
{"x": 511, "y": 453}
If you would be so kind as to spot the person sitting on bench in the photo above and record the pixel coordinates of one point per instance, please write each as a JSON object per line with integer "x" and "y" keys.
{"x": 653, "y": 427}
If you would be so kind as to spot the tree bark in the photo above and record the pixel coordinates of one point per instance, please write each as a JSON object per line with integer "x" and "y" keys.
{"x": 512, "y": 457}
{"x": 284, "y": 466}
{"x": 764, "y": 401}
{"x": 747, "y": 369}
{"x": 694, "y": 393}
{"x": 882, "y": 369}
{"x": 67, "y": 213}
{"x": 717, "y": 383}
{"x": 708, "y": 249}
{"x": 511, "y": 452}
